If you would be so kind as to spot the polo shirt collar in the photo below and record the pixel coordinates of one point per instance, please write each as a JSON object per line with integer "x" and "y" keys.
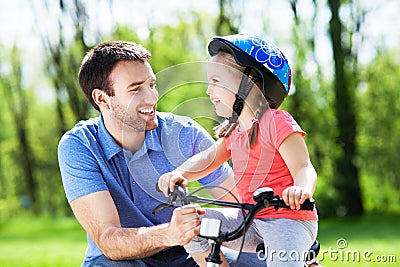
{"x": 109, "y": 146}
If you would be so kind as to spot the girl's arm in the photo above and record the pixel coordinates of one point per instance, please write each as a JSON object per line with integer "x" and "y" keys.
{"x": 195, "y": 167}
{"x": 295, "y": 154}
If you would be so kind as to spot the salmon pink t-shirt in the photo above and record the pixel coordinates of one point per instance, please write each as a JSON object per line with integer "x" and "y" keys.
{"x": 262, "y": 165}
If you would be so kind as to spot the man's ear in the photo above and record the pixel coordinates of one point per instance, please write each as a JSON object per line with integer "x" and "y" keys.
{"x": 101, "y": 98}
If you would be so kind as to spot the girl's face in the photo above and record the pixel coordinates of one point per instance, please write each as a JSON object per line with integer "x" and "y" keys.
{"x": 223, "y": 83}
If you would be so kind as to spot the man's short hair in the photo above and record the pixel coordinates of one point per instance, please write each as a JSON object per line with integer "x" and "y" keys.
{"x": 99, "y": 62}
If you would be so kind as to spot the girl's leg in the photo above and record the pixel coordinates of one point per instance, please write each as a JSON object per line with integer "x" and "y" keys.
{"x": 286, "y": 241}
{"x": 235, "y": 259}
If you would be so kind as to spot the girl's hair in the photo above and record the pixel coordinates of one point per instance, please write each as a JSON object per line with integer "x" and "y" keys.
{"x": 227, "y": 126}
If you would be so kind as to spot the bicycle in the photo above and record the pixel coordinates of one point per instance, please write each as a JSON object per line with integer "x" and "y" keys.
{"x": 211, "y": 228}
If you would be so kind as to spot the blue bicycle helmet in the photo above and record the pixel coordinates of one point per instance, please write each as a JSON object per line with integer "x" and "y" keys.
{"x": 254, "y": 52}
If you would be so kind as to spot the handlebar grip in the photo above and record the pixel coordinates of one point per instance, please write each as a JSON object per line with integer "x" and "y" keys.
{"x": 307, "y": 205}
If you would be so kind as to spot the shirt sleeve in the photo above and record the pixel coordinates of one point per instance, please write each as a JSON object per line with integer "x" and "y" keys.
{"x": 228, "y": 143}
{"x": 79, "y": 169}
{"x": 285, "y": 126}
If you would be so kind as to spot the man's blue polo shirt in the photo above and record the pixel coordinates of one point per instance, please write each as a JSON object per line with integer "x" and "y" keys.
{"x": 91, "y": 161}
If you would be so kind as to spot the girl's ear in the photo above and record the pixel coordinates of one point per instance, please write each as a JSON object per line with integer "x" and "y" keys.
{"x": 101, "y": 98}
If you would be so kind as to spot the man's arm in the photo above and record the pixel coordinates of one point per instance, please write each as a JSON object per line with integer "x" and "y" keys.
{"x": 98, "y": 215}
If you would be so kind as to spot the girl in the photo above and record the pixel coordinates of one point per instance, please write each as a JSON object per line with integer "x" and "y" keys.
{"x": 248, "y": 80}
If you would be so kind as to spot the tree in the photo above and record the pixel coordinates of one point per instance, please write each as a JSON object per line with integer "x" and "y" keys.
{"x": 16, "y": 98}
{"x": 64, "y": 57}
{"x": 347, "y": 173}
{"x": 228, "y": 21}
{"x": 378, "y": 138}
{"x": 310, "y": 103}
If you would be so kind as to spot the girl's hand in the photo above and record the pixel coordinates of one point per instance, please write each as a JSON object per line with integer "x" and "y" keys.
{"x": 295, "y": 195}
{"x": 167, "y": 181}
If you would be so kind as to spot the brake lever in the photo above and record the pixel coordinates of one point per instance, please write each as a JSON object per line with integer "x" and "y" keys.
{"x": 161, "y": 207}
{"x": 170, "y": 203}
{"x": 172, "y": 198}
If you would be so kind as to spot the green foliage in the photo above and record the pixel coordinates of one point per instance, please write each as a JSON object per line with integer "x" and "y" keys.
{"x": 45, "y": 140}
{"x": 378, "y": 137}
{"x": 179, "y": 51}
{"x": 182, "y": 91}
{"x": 310, "y": 103}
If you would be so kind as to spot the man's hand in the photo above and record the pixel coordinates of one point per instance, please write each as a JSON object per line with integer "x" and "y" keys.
{"x": 295, "y": 195}
{"x": 184, "y": 225}
{"x": 167, "y": 181}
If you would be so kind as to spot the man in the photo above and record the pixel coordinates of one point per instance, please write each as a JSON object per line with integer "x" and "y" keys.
{"x": 111, "y": 164}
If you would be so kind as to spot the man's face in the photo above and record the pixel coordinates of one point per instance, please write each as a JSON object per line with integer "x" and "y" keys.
{"x": 134, "y": 104}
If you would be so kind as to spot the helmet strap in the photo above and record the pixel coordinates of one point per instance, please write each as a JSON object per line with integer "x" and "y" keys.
{"x": 244, "y": 90}
{"x": 226, "y": 127}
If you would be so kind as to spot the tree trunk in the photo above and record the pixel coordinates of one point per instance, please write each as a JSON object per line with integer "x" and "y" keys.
{"x": 16, "y": 99}
{"x": 347, "y": 176}
{"x": 225, "y": 25}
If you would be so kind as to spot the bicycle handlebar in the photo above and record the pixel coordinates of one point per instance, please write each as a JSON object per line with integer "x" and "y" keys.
{"x": 264, "y": 198}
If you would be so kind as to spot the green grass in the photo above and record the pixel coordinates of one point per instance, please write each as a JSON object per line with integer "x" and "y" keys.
{"x": 61, "y": 242}
{"x": 376, "y": 236}
{"x": 44, "y": 242}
